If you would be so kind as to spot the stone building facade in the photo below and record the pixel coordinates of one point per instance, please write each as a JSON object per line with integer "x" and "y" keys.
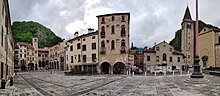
{"x": 163, "y": 56}
{"x": 187, "y": 42}
{"x": 113, "y": 42}
{"x": 6, "y": 42}
{"x": 209, "y": 47}
{"x": 43, "y": 58}
{"x": 82, "y": 53}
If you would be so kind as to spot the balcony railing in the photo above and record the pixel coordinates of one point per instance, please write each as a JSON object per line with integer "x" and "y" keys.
{"x": 102, "y": 50}
{"x": 123, "y": 50}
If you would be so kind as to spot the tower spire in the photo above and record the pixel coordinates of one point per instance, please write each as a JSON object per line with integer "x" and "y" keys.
{"x": 187, "y": 14}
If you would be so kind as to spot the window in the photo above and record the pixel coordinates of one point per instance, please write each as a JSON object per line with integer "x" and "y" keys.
{"x": 71, "y": 48}
{"x": 93, "y": 46}
{"x": 93, "y": 57}
{"x": 123, "y": 31}
{"x": 103, "y": 43}
{"x": 157, "y": 48}
{"x": 148, "y": 58}
{"x": 39, "y": 55}
{"x": 122, "y": 42}
{"x": 21, "y": 55}
{"x": 84, "y": 39}
{"x": 84, "y": 48}
{"x": 79, "y": 58}
{"x": 33, "y": 58}
{"x": 188, "y": 26}
{"x": 103, "y": 32}
{"x": 84, "y": 58}
{"x": 178, "y": 59}
{"x": 71, "y": 59}
{"x": 157, "y": 59}
{"x": 113, "y": 29}
{"x": 170, "y": 49}
{"x": 93, "y": 37}
{"x": 113, "y": 45}
{"x": 103, "y": 20}
{"x": 78, "y": 39}
{"x": 219, "y": 39}
{"x": 171, "y": 59}
{"x": 113, "y": 18}
{"x": 66, "y": 57}
{"x": 164, "y": 57}
{"x": 78, "y": 46}
{"x": 45, "y": 55}
{"x": 122, "y": 18}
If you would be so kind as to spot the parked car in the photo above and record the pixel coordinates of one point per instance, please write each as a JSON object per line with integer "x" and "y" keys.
{"x": 157, "y": 71}
{"x": 175, "y": 71}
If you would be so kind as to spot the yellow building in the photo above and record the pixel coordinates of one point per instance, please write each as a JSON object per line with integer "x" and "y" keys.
{"x": 209, "y": 47}
{"x": 82, "y": 52}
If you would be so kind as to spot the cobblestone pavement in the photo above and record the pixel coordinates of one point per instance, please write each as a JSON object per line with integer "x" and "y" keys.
{"x": 57, "y": 84}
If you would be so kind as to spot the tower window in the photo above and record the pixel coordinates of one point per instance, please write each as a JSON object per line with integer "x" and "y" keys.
{"x": 148, "y": 58}
{"x": 188, "y": 26}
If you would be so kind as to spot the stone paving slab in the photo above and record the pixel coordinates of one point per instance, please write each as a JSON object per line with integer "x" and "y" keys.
{"x": 58, "y": 84}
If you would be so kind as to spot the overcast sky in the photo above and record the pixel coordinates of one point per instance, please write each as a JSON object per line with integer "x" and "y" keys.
{"x": 151, "y": 20}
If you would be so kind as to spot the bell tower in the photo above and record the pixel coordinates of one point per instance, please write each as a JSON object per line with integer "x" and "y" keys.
{"x": 187, "y": 42}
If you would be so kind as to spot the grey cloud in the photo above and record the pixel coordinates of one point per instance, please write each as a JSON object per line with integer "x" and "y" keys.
{"x": 151, "y": 20}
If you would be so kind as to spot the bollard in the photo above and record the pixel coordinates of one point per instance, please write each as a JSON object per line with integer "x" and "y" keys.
{"x": 3, "y": 82}
{"x": 11, "y": 81}
{"x": 173, "y": 73}
{"x": 145, "y": 73}
{"x": 133, "y": 73}
{"x": 127, "y": 73}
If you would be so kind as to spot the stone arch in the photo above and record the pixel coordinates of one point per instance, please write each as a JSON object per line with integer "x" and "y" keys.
{"x": 105, "y": 67}
{"x": 31, "y": 66}
{"x": 119, "y": 68}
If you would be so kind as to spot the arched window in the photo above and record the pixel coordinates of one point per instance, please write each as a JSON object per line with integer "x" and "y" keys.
{"x": 103, "y": 29}
{"x": 103, "y": 44}
{"x": 122, "y": 42}
{"x": 123, "y": 31}
{"x": 164, "y": 57}
{"x": 103, "y": 20}
{"x": 113, "y": 29}
{"x": 113, "y": 45}
{"x": 113, "y": 18}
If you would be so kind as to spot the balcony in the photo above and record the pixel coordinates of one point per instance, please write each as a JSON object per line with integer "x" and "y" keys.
{"x": 102, "y": 50}
{"x": 123, "y": 49}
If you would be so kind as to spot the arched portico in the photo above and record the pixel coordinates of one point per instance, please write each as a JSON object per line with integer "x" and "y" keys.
{"x": 119, "y": 68}
{"x": 105, "y": 68}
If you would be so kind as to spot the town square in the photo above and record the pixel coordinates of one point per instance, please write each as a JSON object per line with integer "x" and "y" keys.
{"x": 109, "y": 48}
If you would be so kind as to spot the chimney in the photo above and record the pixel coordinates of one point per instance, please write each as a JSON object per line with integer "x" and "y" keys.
{"x": 90, "y": 30}
{"x": 76, "y": 34}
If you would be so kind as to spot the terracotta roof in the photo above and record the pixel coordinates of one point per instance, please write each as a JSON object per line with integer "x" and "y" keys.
{"x": 149, "y": 51}
{"x": 114, "y": 14}
{"x": 22, "y": 43}
{"x": 30, "y": 46}
{"x": 187, "y": 14}
{"x": 43, "y": 49}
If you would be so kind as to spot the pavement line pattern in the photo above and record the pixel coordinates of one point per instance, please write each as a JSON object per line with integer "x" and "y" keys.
{"x": 36, "y": 87}
{"x": 66, "y": 86}
{"x": 91, "y": 89}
